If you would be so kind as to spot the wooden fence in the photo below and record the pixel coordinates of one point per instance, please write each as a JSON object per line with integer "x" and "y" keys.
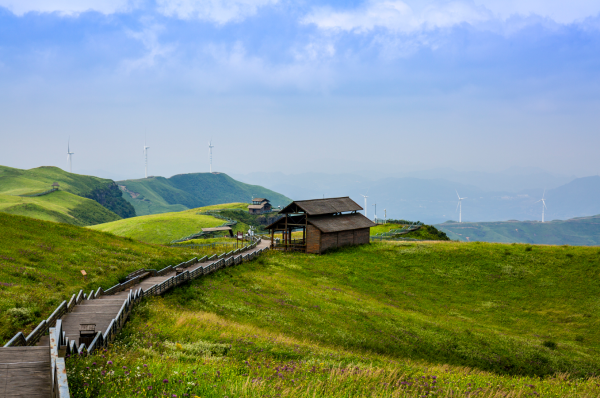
{"x": 58, "y": 339}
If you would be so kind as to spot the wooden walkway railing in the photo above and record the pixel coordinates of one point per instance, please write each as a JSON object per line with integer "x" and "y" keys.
{"x": 60, "y": 344}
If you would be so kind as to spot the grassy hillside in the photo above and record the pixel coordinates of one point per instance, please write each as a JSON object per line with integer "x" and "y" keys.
{"x": 383, "y": 320}
{"x": 584, "y": 231}
{"x": 426, "y": 232}
{"x": 58, "y": 206}
{"x": 185, "y": 191}
{"x": 23, "y": 182}
{"x": 166, "y": 227}
{"x": 40, "y": 264}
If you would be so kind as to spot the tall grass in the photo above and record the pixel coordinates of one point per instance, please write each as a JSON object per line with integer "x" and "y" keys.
{"x": 383, "y": 320}
{"x": 41, "y": 263}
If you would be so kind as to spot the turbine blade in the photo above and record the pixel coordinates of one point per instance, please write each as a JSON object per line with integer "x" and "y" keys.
{"x": 457, "y": 194}
{"x": 458, "y": 204}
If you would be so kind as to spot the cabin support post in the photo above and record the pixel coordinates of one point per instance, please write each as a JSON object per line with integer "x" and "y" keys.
{"x": 272, "y": 237}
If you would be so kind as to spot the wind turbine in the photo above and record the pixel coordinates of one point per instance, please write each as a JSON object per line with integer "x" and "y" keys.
{"x": 210, "y": 147}
{"x": 375, "y": 205}
{"x": 364, "y": 196}
{"x": 459, "y": 206}
{"x": 543, "y": 200}
{"x": 146, "y": 157}
{"x": 70, "y": 155}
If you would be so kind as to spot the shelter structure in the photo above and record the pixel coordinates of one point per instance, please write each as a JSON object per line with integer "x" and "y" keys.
{"x": 324, "y": 223}
{"x": 219, "y": 229}
{"x": 259, "y": 206}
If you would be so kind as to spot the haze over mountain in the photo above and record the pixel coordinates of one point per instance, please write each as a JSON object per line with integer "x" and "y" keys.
{"x": 434, "y": 200}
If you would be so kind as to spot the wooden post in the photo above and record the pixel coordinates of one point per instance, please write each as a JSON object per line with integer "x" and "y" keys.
{"x": 286, "y": 230}
{"x": 272, "y": 237}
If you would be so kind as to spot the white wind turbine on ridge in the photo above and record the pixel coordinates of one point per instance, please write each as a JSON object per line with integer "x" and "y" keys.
{"x": 365, "y": 196}
{"x": 543, "y": 200}
{"x": 146, "y": 158}
{"x": 459, "y": 206}
{"x": 70, "y": 155}
{"x": 210, "y": 147}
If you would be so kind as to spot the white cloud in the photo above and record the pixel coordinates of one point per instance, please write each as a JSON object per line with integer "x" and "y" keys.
{"x": 410, "y": 16}
{"x": 154, "y": 49}
{"x": 397, "y": 16}
{"x": 220, "y": 11}
{"x": 67, "y": 7}
{"x": 560, "y": 11}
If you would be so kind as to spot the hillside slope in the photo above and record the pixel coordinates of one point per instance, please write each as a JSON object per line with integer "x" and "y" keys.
{"x": 41, "y": 263}
{"x": 583, "y": 231}
{"x": 58, "y": 206}
{"x": 165, "y": 227}
{"x": 23, "y": 182}
{"x": 185, "y": 191}
{"x": 381, "y": 320}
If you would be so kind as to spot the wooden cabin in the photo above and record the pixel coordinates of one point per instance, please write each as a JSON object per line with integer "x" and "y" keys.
{"x": 260, "y": 206}
{"x": 324, "y": 223}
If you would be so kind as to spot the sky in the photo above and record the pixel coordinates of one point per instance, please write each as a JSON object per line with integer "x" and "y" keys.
{"x": 326, "y": 86}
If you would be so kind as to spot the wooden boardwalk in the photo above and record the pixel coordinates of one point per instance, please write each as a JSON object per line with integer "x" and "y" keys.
{"x": 104, "y": 309}
{"x": 25, "y": 372}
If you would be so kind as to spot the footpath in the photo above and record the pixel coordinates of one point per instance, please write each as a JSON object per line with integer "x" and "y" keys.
{"x": 34, "y": 366}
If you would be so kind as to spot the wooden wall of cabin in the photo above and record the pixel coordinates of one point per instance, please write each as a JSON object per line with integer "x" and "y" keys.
{"x": 313, "y": 240}
{"x": 318, "y": 242}
{"x": 362, "y": 236}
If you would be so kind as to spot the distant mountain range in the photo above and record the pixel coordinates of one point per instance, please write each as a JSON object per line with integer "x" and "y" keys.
{"x": 434, "y": 200}
{"x": 584, "y": 231}
{"x": 155, "y": 195}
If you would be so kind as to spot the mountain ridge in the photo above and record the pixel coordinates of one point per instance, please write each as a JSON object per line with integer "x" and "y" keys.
{"x": 154, "y": 195}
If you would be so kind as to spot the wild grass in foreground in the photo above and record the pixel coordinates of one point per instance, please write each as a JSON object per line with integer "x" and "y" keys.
{"x": 41, "y": 263}
{"x": 382, "y": 320}
{"x": 215, "y": 357}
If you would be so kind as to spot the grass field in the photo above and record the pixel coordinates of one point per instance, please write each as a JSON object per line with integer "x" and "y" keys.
{"x": 166, "y": 227}
{"x": 15, "y": 182}
{"x": 382, "y": 320}
{"x": 58, "y": 206}
{"x": 21, "y": 182}
{"x": 426, "y": 232}
{"x": 40, "y": 264}
{"x": 576, "y": 231}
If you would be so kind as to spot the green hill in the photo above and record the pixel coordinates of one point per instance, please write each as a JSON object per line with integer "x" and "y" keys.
{"x": 583, "y": 231}
{"x": 40, "y": 264}
{"x": 17, "y": 182}
{"x": 58, "y": 206}
{"x": 381, "y": 320}
{"x": 155, "y": 195}
{"x": 165, "y": 227}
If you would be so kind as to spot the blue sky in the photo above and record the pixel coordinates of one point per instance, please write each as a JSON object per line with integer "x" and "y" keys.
{"x": 300, "y": 86}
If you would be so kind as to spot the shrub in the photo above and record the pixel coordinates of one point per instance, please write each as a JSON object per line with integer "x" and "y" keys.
{"x": 549, "y": 344}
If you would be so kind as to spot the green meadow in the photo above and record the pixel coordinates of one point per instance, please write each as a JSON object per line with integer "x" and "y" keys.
{"x": 41, "y": 263}
{"x": 58, "y": 206}
{"x": 392, "y": 319}
{"x": 166, "y": 227}
{"x": 426, "y": 232}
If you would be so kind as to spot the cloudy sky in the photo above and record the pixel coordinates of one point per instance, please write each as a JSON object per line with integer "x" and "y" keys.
{"x": 300, "y": 86}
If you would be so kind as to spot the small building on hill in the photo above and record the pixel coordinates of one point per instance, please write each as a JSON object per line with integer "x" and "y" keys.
{"x": 260, "y": 206}
{"x": 323, "y": 224}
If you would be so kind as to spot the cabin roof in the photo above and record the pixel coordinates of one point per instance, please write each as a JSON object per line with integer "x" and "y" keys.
{"x": 342, "y": 222}
{"x": 327, "y": 223}
{"x": 316, "y": 207}
{"x": 260, "y": 200}
{"x": 256, "y": 206}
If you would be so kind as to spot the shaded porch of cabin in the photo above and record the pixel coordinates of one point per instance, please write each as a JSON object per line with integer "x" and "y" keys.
{"x": 283, "y": 229}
